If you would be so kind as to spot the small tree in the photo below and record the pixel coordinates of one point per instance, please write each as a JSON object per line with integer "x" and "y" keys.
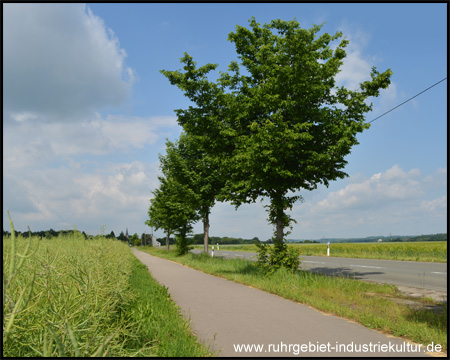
{"x": 134, "y": 240}
{"x": 146, "y": 239}
{"x": 204, "y": 126}
{"x": 160, "y": 212}
{"x": 191, "y": 165}
{"x": 172, "y": 209}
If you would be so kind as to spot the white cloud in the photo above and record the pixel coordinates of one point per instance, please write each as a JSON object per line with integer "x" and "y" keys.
{"x": 355, "y": 70}
{"x": 64, "y": 163}
{"x": 60, "y": 61}
{"x": 436, "y": 206}
{"x": 389, "y": 97}
{"x": 248, "y": 221}
{"x": 45, "y": 198}
{"x": 24, "y": 116}
{"x": 356, "y": 67}
{"x": 398, "y": 200}
{"x": 382, "y": 188}
{"x": 124, "y": 131}
{"x": 438, "y": 179}
{"x": 35, "y": 144}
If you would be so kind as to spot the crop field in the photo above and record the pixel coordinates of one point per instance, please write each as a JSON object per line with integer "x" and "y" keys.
{"x": 432, "y": 251}
{"x": 414, "y": 251}
{"x": 68, "y": 296}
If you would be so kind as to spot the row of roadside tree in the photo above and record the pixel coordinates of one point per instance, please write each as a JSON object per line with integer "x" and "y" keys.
{"x": 272, "y": 125}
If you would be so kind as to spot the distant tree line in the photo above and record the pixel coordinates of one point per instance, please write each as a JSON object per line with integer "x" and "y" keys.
{"x": 419, "y": 238}
{"x": 48, "y": 234}
{"x": 394, "y": 238}
{"x": 304, "y": 241}
{"x": 198, "y": 239}
{"x": 135, "y": 240}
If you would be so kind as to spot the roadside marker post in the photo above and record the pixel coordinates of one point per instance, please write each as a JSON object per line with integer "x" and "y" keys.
{"x": 212, "y": 251}
{"x": 328, "y": 249}
{"x": 217, "y": 246}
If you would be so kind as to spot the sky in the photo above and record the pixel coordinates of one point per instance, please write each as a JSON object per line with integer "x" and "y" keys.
{"x": 86, "y": 112}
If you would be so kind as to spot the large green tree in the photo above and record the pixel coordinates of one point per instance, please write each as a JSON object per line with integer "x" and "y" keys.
{"x": 295, "y": 125}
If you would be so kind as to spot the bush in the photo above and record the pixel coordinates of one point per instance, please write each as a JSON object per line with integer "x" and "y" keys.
{"x": 271, "y": 258}
{"x": 182, "y": 245}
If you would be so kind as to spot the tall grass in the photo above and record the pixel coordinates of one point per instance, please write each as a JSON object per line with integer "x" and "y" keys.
{"x": 66, "y": 299}
{"x": 69, "y": 296}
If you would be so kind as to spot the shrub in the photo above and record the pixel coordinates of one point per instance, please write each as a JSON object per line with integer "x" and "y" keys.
{"x": 182, "y": 245}
{"x": 271, "y": 258}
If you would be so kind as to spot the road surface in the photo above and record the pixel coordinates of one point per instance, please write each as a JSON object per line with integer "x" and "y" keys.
{"x": 422, "y": 275}
{"x": 227, "y": 316}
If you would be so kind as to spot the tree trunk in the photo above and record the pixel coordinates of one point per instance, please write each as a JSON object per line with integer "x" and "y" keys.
{"x": 206, "y": 231}
{"x": 277, "y": 215}
{"x": 167, "y": 240}
{"x": 280, "y": 227}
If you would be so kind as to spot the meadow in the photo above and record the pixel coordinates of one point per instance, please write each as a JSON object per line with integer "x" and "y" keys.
{"x": 431, "y": 251}
{"x": 68, "y": 296}
{"x": 376, "y": 306}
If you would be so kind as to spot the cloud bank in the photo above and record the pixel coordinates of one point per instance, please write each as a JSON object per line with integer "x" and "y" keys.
{"x": 60, "y": 61}
{"x": 398, "y": 201}
{"x": 64, "y": 162}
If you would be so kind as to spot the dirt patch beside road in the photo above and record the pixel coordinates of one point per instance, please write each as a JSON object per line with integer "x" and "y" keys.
{"x": 440, "y": 296}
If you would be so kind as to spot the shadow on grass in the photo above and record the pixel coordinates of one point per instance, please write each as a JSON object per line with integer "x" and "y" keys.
{"x": 434, "y": 316}
{"x": 247, "y": 269}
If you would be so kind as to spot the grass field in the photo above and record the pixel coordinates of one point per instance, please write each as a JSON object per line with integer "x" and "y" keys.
{"x": 74, "y": 297}
{"x": 376, "y": 306}
{"x": 432, "y": 251}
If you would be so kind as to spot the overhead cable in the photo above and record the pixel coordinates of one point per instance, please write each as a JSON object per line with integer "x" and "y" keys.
{"x": 408, "y": 100}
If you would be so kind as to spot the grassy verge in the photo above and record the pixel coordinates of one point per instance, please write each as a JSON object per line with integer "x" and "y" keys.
{"x": 373, "y": 305}
{"x": 435, "y": 251}
{"x": 159, "y": 320}
{"x": 74, "y": 297}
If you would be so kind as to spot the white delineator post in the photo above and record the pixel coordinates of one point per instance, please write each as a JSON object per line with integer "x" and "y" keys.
{"x": 328, "y": 249}
{"x": 212, "y": 251}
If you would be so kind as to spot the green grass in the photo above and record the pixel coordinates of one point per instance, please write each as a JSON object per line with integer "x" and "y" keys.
{"x": 432, "y": 251}
{"x": 159, "y": 320}
{"x": 74, "y": 297}
{"x": 372, "y": 305}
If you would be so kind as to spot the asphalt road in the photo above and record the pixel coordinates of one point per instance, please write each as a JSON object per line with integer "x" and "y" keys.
{"x": 423, "y": 275}
{"x": 227, "y": 315}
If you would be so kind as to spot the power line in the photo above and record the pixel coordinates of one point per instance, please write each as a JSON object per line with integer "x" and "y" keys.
{"x": 408, "y": 100}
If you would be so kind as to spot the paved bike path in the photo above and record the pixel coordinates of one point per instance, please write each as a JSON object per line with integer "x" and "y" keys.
{"x": 224, "y": 314}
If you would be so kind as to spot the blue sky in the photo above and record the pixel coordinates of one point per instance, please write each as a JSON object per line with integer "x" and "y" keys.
{"x": 86, "y": 113}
